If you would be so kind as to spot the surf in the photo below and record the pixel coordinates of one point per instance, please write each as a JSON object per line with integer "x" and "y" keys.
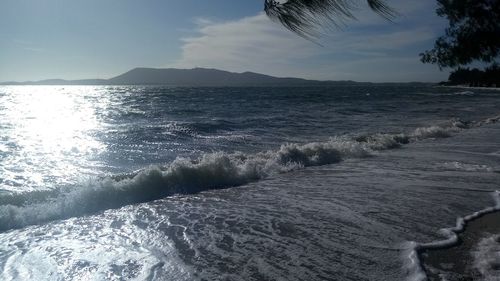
{"x": 209, "y": 171}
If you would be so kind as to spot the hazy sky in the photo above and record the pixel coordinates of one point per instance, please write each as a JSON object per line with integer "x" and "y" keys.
{"x": 74, "y": 39}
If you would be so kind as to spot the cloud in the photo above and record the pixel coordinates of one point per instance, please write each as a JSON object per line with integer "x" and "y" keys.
{"x": 243, "y": 45}
{"x": 369, "y": 50}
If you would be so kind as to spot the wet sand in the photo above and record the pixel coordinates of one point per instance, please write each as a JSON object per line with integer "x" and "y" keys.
{"x": 456, "y": 262}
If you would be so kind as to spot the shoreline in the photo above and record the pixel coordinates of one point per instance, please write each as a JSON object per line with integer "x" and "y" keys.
{"x": 457, "y": 261}
{"x": 468, "y": 87}
{"x": 451, "y": 257}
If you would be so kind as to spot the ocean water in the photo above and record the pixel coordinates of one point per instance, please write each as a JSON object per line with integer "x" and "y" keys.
{"x": 165, "y": 183}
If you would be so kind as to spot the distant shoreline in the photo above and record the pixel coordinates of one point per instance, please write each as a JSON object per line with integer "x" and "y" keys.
{"x": 468, "y": 87}
{"x": 198, "y": 77}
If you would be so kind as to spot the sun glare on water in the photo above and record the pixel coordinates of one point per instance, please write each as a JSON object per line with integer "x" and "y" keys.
{"x": 49, "y": 134}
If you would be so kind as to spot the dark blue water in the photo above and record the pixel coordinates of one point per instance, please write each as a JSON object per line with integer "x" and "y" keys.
{"x": 161, "y": 183}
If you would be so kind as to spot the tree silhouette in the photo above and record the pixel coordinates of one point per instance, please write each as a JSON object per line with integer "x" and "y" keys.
{"x": 473, "y": 33}
{"x": 475, "y": 77}
{"x": 305, "y": 16}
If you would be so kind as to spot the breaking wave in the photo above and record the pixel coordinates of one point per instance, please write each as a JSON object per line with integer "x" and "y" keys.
{"x": 210, "y": 171}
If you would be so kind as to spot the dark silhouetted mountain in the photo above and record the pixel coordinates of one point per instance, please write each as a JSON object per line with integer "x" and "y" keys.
{"x": 197, "y": 77}
{"x": 202, "y": 77}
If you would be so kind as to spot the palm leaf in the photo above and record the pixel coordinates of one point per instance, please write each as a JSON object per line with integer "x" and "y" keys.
{"x": 305, "y": 16}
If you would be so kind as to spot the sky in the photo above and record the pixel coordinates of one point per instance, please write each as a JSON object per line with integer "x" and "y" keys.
{"x": 80, "y": 39}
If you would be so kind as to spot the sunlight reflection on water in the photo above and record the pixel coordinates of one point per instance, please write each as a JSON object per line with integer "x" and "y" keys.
{"x": 48, "y": 132}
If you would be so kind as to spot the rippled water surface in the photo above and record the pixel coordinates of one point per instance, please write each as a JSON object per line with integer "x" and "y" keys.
{"x": 161, "y": 183}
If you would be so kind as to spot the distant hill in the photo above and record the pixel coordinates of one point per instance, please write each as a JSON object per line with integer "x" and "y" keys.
{"x": 195, "y": 77}
{"x": 201, "y": 77}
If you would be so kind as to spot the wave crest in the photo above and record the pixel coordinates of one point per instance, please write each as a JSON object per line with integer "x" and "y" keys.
{"x": 186, "y": 176}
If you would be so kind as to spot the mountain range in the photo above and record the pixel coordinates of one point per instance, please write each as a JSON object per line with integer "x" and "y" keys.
{"x": 196, "y": 77}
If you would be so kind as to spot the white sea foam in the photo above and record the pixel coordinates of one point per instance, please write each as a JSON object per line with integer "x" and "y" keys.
{"x": 464, "y": 93}
{"x": 439, "y": 131}
{"x": 468, "y": 167}
{"x": 413, "y": 265}
{"x": 486, "y": 121}
{"x": 411, "y": 251}
{"x": 185, "y": 176}
{"x": 487, "y": 258}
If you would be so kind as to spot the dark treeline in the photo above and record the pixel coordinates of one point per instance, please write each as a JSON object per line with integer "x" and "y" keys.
{"x": 489, "y": 77}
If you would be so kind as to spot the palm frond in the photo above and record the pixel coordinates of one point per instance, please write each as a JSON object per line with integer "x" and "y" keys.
{"x": 382, "y": 9}
{"x": 305, "y": 16}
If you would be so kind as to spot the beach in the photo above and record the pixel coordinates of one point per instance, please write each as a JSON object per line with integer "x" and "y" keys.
{"x": 463, "y": 260}
{"x": 169, "y": 183}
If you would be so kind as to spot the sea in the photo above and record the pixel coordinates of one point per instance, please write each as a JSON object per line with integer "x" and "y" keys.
{"x": 345, "y": 182}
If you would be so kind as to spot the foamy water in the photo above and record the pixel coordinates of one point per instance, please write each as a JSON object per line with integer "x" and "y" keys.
{"x": 155, "y": 183}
